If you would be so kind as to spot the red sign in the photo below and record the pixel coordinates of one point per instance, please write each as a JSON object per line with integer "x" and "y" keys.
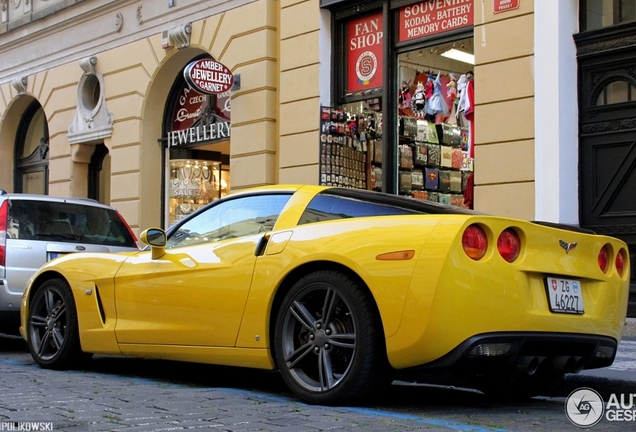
{"x": 365, "y": 42}
{"x": 504, "y": 5}
{"x": 434, "y": 16}
{"x": 208, "y": 76}
{"x": 192, "y": 105}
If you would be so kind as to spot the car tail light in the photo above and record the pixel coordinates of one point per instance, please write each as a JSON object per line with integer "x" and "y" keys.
{"x": 509, "y": 245}
{"x": 132, "y": 234}
{"x": 603, "y": 259}
{"x": 620, "y": 262}
{"x": 3, "y": 231}
{"x": 475, "y": 242}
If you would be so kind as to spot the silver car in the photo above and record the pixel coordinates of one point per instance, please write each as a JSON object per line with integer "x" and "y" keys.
{"x": 37, "y": 228}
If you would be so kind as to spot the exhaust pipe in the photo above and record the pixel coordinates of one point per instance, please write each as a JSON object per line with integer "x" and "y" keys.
{"x": 528, "y": 365}
{"x": 568, "y": 364}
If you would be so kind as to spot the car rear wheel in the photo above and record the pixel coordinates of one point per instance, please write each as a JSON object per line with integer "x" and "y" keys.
{"x": 52, "y": 330}
{"x": 328, "y": 340}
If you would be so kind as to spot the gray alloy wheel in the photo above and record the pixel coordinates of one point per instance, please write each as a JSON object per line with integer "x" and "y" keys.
{"x": 328, "y": 340}
{"x": 52, "y": 330}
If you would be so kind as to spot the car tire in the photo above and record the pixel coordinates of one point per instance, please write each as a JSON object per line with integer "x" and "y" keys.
{"x": 329, "y": 342}
{"x": 52, "y": 329}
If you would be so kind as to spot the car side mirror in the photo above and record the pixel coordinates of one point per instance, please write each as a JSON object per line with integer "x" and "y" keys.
{"x": 156, "y": 239}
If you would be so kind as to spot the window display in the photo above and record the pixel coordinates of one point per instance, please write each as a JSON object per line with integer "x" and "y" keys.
{"x": 435, "y": 152}
{"x": 193, "y": 184}
{"x": 435, "y": 112}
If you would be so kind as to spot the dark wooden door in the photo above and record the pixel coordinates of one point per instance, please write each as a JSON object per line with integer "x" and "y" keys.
{"x": 607, "y": 137}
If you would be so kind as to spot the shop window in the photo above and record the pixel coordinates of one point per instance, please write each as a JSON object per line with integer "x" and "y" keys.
{"x": 197, "y": 130}
{"x": 32, "y": 152}
{"x": 596, "y": 14}
{"x": 435, "y": 112}
{"x": 616, "y": 92}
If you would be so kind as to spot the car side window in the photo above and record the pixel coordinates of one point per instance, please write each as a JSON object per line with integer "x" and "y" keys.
{"x": 67, "y": 222}
{"x": 330, "y": 207}
{"x": 231, "y": 218}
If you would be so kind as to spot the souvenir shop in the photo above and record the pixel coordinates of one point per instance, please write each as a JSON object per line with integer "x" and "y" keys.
{"x": 414, "y": 137}
{"x": 197, "y": 142}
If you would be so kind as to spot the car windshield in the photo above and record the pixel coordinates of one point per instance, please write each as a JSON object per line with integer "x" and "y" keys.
{"x": 67, "y": 222}
{"x": 231, "y": 218}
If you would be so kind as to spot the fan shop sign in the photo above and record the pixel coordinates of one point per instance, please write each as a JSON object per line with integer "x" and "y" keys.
{"x": 434, "y": 16}
{"x": 364, "y": 53}
{"x": 208, "y": 76}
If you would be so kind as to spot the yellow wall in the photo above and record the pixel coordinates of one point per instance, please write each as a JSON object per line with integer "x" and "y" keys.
{"x": 137, "y": 79}
{"x": 504, "y": 110}
{"x": 299, "y": 91}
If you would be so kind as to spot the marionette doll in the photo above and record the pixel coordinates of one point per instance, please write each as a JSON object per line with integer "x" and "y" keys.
{"x": 419, "y": 99}
{"x": 405, "y": 98}
{"x": 451, "y": 96}
{"x": 436, "y": 106}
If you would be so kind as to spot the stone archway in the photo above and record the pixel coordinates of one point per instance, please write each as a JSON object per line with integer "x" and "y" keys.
{"x": 151, "y": 130}
{"x": 8, "y": 132}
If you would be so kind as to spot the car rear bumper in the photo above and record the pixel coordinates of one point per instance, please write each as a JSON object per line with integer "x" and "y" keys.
{"x": 520, "y": 353}
{"x": 9, "y": 300}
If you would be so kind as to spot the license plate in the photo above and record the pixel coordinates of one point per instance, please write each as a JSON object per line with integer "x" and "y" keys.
{"x": 564, "y": 295}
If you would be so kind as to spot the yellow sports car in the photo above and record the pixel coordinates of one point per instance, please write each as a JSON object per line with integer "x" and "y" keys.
{"x": 342, "y": 290}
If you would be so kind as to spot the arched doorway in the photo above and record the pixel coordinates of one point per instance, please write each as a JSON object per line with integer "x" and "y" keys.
{"x": 32, "y": 152}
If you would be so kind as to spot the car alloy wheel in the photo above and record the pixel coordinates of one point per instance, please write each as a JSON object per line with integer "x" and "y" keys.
{"x": 52, "y": 331}
{"x": 328, "y": 340}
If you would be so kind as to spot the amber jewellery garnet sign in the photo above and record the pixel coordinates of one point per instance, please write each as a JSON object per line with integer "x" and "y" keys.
{"x": 208, "y": 76}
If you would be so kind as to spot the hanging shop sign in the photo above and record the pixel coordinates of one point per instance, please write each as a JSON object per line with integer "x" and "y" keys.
{"x": 504, "y": 5}
{"x": 434, "y": 16}
{"x": 364, "y": 53}
{"x": 208, "y": 76}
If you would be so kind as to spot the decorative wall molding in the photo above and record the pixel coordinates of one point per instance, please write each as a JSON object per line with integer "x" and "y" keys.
{"x": 178, "y": 36}
{"x": 92, "y": 122}
{"x": 608, "y": 126}
{"x": 20, "y": 84}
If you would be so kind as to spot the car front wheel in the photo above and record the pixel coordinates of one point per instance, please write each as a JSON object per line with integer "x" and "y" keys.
{"x": 328, "y": 340}
{"x": 52, "y": 330}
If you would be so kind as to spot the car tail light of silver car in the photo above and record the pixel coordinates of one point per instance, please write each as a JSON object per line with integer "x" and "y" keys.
{"x": 604, "y": 259}
{"x": 509, "y": 245}
{"x": 621, "y": 259}
{"x": 475, "y": 242}
{"x": 3, "y": 231}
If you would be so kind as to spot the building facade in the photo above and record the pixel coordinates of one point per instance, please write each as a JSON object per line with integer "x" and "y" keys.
{"x": 94, "y": 103}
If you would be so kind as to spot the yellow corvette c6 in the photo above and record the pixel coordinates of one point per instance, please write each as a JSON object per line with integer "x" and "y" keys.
{"x": 342, "y": 290}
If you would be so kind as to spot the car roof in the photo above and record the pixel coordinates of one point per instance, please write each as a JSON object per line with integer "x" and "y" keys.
{"x": 49, "y": 198}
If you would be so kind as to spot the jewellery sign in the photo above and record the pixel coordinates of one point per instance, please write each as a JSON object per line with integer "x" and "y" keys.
{"x": 434, "y": 16}
{"x": 364, "y": 56}
{"x": 198, "y": 117}
{"x": 208, "y": 76}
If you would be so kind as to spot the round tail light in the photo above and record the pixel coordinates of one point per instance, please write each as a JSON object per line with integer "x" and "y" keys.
{"x": 603, "y": 259}
{"x": 621, "y": 259}
{"x": 509, "y": 245}
{"x": 474, "y": 242}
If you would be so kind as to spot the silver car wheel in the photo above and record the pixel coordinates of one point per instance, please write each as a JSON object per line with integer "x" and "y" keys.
{"x": 319, "y": 338}
{"x": 48, "y": 323}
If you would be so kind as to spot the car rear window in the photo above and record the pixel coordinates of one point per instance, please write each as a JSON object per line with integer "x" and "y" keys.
{"x": 329, "y": 207}
{"x": 67, "y": 222}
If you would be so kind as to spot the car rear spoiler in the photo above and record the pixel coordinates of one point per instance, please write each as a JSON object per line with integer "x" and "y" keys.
{"x": 567, "y": 227}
